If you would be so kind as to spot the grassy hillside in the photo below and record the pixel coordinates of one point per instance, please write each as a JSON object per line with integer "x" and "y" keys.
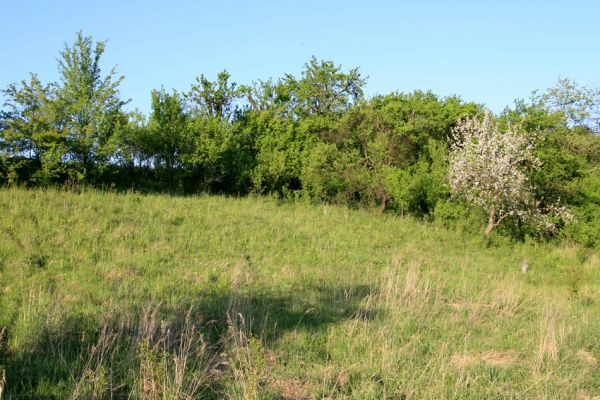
{"x": 107, "y": 295}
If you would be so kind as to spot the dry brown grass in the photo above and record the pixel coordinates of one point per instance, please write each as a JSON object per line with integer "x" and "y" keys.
{"x": 506, "y": 299}
{"x": 587, "y": 358}
{"x": 503, "y": 301}
{"x": 471, "y": 306}
{"x": 550, "y": 336}
{"x": 166, "y": 360}
{"x": 411, "y": 282}
{"x": 241, "y": 359}
{"x": 2, "y": 382}
{"x": 398, "y": 288}
{"x": 290, "y": 389}
{"x": 118, "y": 274}
{"x": 240, "y": 275}
{"x": 494, "y": 358}
{"x": 585, "y": 396}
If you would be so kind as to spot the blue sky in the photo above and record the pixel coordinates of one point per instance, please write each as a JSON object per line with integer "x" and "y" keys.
{"x": 484, "y": 51}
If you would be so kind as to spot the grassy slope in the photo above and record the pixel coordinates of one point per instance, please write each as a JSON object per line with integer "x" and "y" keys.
{"x": 136, "y": 296}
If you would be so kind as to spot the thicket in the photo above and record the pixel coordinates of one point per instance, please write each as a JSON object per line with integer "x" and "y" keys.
{"x": 314, "y": 136}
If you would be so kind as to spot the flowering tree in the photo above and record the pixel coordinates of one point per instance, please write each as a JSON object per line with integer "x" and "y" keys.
{"x": 488, "y": 169}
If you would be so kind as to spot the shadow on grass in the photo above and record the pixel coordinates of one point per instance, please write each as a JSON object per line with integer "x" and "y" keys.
{"x": 57, "y": 355}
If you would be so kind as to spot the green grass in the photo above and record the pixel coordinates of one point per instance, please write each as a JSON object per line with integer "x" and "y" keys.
{"x": 106, "y": 295}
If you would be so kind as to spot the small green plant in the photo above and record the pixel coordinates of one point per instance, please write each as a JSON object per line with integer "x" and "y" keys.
{"x": 574, "y": 278}
{"x": 93, "y": 384}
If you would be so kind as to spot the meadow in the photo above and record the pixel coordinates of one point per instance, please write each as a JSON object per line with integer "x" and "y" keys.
{"x": 109, "y": 295}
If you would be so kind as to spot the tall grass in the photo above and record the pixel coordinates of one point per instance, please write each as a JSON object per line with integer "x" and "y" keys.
{"x": 109, "y": 296}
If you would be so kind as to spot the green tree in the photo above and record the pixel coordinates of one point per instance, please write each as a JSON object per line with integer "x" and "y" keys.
{"x": 32, "y": 130}
{"x": 167, "y": 129}
{"x": 268, "y": 95}
{"x": 579, "y": 105}
{"x": 324, "y": 89}
{"x": 134, "y": 143}
{"x": 402, "y": 140}
{"x": 214, "y": 99}
{"x": 279, "y": 147}
{"x": 570, "y": 158}
{"x": 90, "y": 104}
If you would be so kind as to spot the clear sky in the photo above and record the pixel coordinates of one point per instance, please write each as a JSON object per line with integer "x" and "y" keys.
{"x": 491, "y": 52}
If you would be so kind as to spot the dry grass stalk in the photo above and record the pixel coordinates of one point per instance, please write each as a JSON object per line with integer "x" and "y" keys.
{"x": 289, "y": 389}
{"x": 585, "y": 396}
{"x": 245, "y": 377}
{"x": 411, "y": 284}
{"x": 240, "y": 275}
{"x": 503, "y": 301}
{"x": 506, "y": 300}
{"x": 166, "y": 361}
{"x": 587, "y": 358}
{"x": 167, "y": 369}
{"x": 495, "y": 358}
{"x": 368, "y": 308}
{"x": 2, "y": 382}
{"x": 398, "y": 289}
{"x": 548, "y": 347}
{"x": 390, "y": 284}
{"x": 91, "y": 382}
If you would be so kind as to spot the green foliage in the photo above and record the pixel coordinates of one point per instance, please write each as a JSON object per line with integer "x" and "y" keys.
{"x": 452, "y": 214}
{"x": 314, "y": 136}
{"x": 166, "y": 130}
{"x": 331, "y": 176}
{"x": 134, "y": 147}
{"x": 570, "y": 165}
{"x": 267, "y": 95}
{"x": 280, "y": 145}
{"x": 587, "y": 212}
{"x": 32, "y": 128}
{"x": 399, "y": 146}
{"x": 424, "y": 183}
{"x": 323, "y": 89}
{"x": 67, "y": 127}
{"x": 576, "y": 104}
{"x": 89, "y": 104}
{"x": 213, "y": 99}
{"x": 218, "y": 156}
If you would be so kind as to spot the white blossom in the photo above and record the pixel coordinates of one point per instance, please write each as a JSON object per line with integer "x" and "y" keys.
{"x": 488, "y": 168}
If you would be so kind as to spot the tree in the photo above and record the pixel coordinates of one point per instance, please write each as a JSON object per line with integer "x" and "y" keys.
{"x": 32, "y": 129}
{"x": 167, "y": 128}
{"x": 267, "y": 95}
{"x": 214, "y": 99}
{"x": 579, "y": 106}
{"x": 489, "y": 168}
{"x": 90, "y": 103}
{"x": 63, "y": 126}
{"x": 324, "y": 89}
{"x": 401, "y": 139}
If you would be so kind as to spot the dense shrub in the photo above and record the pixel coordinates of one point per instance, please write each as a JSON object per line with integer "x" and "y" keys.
{"x": 313, "y": 136}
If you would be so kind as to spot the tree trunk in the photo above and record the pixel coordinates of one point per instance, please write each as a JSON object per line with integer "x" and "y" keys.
{"x": 491, "y": 221}
{"x": 382, "y": 207}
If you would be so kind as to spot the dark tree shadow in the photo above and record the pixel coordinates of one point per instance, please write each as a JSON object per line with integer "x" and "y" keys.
{"x": 57, "y": 357}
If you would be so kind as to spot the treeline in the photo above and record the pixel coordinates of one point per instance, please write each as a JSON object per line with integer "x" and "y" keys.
{"x": 313, "y": 136}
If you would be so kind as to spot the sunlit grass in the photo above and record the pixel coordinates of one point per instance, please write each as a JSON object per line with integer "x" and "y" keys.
{"x": 108, "y": 295}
